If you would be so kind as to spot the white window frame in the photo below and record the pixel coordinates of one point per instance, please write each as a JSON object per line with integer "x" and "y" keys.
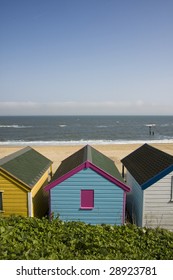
{"x": 172, "y": 188}
{"x": 1, "y": 197}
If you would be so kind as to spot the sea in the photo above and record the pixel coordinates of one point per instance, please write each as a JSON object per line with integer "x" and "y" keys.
{"x": 82, "y": 130}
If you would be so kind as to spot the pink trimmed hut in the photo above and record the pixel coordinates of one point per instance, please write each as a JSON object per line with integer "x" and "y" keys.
{"x": 88, "y": 187}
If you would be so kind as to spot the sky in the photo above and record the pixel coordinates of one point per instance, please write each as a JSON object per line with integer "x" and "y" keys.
{"x": 86, "y": 57}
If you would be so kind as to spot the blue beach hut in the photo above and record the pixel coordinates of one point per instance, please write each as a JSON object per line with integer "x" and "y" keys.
{"x": 88, "y": 187}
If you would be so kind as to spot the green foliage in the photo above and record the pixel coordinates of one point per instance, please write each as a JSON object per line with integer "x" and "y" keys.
{"x": 33, "y": 239}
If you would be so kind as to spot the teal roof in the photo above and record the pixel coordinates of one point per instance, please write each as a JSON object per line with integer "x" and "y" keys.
{"x": 26, "y": 165}
{"x": 91, "y": 155}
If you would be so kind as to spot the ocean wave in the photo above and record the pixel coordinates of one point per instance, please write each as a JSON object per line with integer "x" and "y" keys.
{"x": 165, "y": 125}
{"x": 14, "y": 126}
{"x": 150, "y": 124}
{"x": 81, "y": 142}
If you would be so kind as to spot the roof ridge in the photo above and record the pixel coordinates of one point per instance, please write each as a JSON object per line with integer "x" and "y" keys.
{"x": 149, "y": 148}
{"x": 14, "y": 155}
{"x": 89, "y": 153}
{"x": 159, "y": 151}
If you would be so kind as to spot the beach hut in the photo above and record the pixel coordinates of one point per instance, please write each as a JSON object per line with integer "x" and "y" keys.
{"x": 22, "y": 177}
{"x": 88, "y": 187}
{"x": 149, "y": 173}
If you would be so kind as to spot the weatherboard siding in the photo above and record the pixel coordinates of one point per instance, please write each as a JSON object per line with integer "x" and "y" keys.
{"x": 108, "y": 199}
{"x": 134, "y": 200}
{"x": 15, "y": 199}
{"x": 158, "y": 209}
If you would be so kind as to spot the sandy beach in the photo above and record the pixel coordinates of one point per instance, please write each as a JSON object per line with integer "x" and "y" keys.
{"x": 58, "y": 153}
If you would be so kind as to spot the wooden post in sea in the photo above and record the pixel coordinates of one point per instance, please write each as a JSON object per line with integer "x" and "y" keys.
{"x": 150, "y": 129}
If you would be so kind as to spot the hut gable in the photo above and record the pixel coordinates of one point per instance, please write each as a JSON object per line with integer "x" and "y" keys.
{"x": 87, "y": 157}
{"x": 148, "y": 165}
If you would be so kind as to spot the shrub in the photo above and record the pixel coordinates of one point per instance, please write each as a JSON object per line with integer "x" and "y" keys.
{"x": 33, "y": 238}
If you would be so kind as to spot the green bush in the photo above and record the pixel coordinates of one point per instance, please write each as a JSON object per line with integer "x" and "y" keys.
{"x": 34, "y": 239}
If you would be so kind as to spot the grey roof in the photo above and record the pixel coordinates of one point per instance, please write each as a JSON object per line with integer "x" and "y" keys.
{"x": 26, "y": 165}
{"x": 148, "y": 164}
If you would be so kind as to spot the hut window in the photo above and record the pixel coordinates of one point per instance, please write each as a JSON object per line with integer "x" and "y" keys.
{"x": 87, "y": 199}
{"x": 1, "y": 206}
{"x": 172, "y": 188}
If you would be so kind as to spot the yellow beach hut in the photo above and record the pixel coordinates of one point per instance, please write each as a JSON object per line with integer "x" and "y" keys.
{"x": 23, "y": 175}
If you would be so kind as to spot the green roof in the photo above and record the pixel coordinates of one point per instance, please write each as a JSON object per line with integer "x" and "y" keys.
{"x": 26, "y": 165}
{"x": 90, "y": 154}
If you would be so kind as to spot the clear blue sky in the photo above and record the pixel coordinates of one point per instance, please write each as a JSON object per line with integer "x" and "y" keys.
{"x": 86, "y": 57}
